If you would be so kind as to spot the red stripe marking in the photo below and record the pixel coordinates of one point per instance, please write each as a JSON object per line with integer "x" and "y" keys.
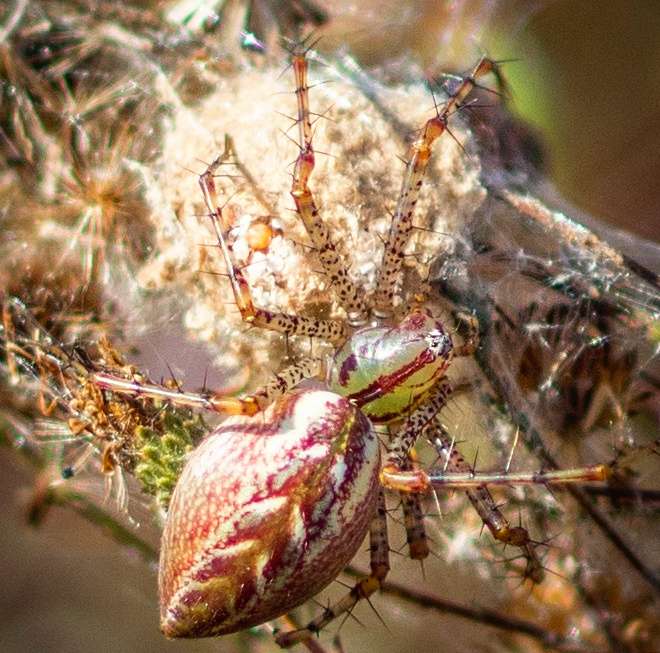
{"x": 387, "y": 383}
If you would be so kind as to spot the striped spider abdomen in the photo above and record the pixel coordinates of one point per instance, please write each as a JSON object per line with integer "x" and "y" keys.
{"x": 266, "y": 513}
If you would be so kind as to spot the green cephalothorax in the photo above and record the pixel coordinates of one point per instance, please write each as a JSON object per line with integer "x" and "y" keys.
{"x": 386, "y": 371}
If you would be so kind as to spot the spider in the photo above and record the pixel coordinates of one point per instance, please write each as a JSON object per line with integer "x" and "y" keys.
{"x": 276, "y": 501}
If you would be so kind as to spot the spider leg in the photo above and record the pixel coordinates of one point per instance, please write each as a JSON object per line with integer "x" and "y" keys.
{"x": 284, "y": 381}
{"x": 485, "y": 505}
{"x": 413, "y": 521}
{"x": 332, "y": 330}
{"x": 363, "y": 589}
{"x": 349, "y": 295}
{"x": 397, "y": 473}
{"x": 417, "y": 161}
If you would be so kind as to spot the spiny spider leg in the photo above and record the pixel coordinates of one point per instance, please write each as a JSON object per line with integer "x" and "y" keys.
{"x": 284, "y": 381}
{"x": 380, "y": 566}
{"x": 485, "y": 505}
{"x": 413, "y": 517}
{"x": 396, "y": 473}
{"x": 463, "y": 480}
{"x": 332, "y": 330}
{"x": 418, "y": 158}
{"x": 348, "y": 293}
{"x": 413, "y": 522}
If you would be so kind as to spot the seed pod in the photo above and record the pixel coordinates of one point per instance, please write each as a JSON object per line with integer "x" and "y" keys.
{"x": 266, "y": 513}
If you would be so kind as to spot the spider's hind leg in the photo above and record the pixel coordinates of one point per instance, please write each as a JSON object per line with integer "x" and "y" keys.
{"x": 284, "y": 381}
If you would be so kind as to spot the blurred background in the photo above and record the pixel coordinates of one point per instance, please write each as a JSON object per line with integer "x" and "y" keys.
{"x": 587, "y": 76}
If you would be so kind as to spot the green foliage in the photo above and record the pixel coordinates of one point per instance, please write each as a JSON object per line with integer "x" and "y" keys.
{"x": 161, "y": 450}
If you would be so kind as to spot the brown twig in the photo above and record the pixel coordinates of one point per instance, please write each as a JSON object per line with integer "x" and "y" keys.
{"x": 481, "y": 615}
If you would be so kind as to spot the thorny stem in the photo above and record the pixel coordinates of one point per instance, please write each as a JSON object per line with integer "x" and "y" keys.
{"x": 478, "y": 614}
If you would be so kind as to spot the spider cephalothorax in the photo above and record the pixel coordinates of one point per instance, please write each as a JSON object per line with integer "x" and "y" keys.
{"x": 387, "y": 371}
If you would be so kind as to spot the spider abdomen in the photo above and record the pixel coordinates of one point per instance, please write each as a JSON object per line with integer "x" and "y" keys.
{"x": 386, "y": 371}
{"x": 265, "y": 514}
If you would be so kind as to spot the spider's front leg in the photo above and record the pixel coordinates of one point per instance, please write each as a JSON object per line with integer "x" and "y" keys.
{"x": 332, "y": 330}
{"x": 380, "y": 566}
{"x": 350, "y": 296}
{"x": 418, "y": 158}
